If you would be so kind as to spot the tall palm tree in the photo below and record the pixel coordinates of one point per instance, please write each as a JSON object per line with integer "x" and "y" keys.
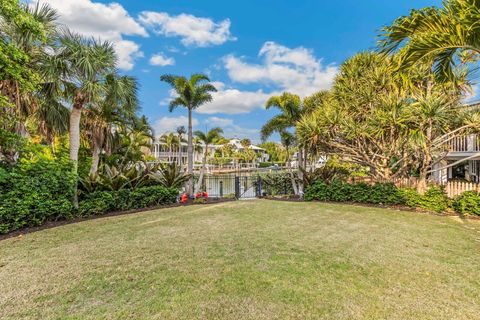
{"x": 291, "y": 112}
{"x": 207, "y": 139}
{"x": 180, "y": 132}
{"x": 192, "y": 93}
{"x": 79, "y": 67}
{"x": 76, "y": 70}
{"x": 442, "y": 36}
{"x": 288, "y": 140}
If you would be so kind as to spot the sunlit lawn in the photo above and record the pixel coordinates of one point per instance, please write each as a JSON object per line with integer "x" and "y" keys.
{"x": 246, "y": 260}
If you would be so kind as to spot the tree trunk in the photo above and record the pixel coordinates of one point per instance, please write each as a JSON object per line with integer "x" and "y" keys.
{"x": 290, "y": 173}
{"x": 190, "y": 153}
{"x": 75, "y": 116}
{"x": 300, "y": 172}
{"x": 202, "y": 171}
{"x": 95, "y": 159}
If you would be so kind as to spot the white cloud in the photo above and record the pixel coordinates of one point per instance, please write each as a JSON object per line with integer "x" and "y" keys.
{"x": 232, "y": 130}
{"x": 296, "y": 70}
{"x": 194, "y": 31}
{"x": 103, "y": 21}
{"x": 233, "y": 101}
{"x": 127, "y": 51}
{"x": 169, "y": 124}
{"x": 160, "y": 59}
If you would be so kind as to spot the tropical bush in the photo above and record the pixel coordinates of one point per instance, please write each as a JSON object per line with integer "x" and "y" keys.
{"x": 34, "y": 192}
{"x": 341, "y": 191}
{"x": 434, "y": 199}
{"x": 100, "y": 202}
{"x": 468, "y": 203}
{"x": 276, "y": 183}
{"x": 134, "y": 175}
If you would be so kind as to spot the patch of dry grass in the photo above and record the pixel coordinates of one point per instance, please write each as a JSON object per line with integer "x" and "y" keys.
{"x": 246, "y": 260}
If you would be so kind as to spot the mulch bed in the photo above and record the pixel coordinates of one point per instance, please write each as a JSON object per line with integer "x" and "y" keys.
{"x": 54, "y": 224}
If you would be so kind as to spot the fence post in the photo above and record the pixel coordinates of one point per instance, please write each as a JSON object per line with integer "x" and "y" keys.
{"x": 237, "y": 187}
{"x": 259, "y": 187}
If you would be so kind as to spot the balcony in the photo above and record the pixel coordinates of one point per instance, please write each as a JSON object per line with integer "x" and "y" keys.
{"x": 463, "y": 146}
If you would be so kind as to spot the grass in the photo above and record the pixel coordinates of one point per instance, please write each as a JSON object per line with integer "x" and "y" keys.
{"x": 246, "y": 260}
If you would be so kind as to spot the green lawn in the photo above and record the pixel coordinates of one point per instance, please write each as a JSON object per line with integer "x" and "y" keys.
{"x": 246, "y": 260}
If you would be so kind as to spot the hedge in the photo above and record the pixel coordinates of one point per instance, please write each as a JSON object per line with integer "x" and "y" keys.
{"x": 101, "y": 202}
{"x": 435, "y": 199}
{"x": 39, "y": 191}
{"x": 468, "y": 203}
{"x": 35, "y": 192}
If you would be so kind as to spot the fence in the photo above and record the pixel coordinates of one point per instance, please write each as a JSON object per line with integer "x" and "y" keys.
{"x": 233, "y": 186}
{"x": 452, "y": 188}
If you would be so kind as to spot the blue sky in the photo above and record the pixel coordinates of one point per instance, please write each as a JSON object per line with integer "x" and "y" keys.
{"x": 250, "y": 49}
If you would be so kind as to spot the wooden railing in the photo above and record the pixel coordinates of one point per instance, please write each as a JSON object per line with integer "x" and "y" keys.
{"x": 452, "y": 188}
{"x": 468, "y": 143}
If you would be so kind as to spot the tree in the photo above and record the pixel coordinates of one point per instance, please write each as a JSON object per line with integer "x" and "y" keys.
{"x": 180, "y": 132}
{"x": 170, "y": 140}
{"x": 25, "y": 32}
{"x": 392, "y": 122}
{"x": 207, "y": 139}
{"x": 442, "y": 37}
{"x": 76, "y": 70}
{"x": 288, "y": 140}
{"x": 291, "y": 112}
{"x": 192, "y": 93}
{"x": 117, "y": 104}
{"x": 275, "y": 150}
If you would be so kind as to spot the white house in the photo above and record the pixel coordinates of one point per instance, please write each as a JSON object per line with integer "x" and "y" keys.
{"x": 162, "y": 153}
{"x": 462, "y": 161}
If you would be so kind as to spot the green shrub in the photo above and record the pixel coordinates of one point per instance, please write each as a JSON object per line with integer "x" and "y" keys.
{"x": 467, "y": 203}
{"x": 35, "y": 191}
{"x": 104, "y": 201}
{"x": 276, "y": 183}
{"x": 317, "y": 191}
{"x": 434, "y": 199}
{"x": 97, "y": 202}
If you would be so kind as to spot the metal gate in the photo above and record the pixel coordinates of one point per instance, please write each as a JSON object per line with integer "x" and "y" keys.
{"x": 247, "y": 187}
{"x": 229, "y": 186}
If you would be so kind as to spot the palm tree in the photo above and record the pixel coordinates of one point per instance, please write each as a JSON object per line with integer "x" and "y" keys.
{"x": 288, "y": 140}
{"x": 192, "y": 93}
{"x": 118, "y": 104}
{"x": 79, "y": 65}
{"x": 441, "y": 36}
{"x": 180, "y": 132}
{"x": 291, "y": 112}
{"x": 76, "y": 70}
{"x": 170, "y": 140}
{"x": 207, "y": 139}
{"x": 26, "y": 102}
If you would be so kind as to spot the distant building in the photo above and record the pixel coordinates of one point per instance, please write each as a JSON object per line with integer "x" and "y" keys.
{"x": 163, "y": 153}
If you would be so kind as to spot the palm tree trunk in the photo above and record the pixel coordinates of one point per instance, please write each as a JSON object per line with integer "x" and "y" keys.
{"x": 300, "y": 172}
{"x": 95, "y": 159}
{"x": 75, "y": 116}
{"x": 202, "y": 171}
{"x": 290, "y": 173}
{"x": 190, "y": 153}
